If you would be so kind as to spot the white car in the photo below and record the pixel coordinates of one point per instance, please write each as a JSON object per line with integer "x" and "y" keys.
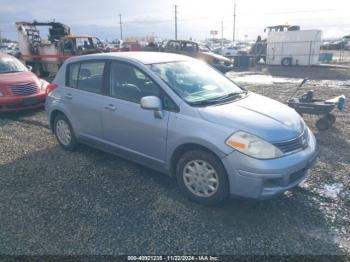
{"x": 227, "y": 51}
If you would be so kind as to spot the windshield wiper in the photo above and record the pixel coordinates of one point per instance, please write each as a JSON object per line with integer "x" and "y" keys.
{"x": 229, "y": 95}
{"x": 203, "y": 103}
{"x": 220, "y": 99}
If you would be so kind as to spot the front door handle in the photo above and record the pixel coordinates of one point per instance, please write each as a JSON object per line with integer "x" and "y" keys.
{"x": 111, "y": 107}
{"x": 69, "y": 96}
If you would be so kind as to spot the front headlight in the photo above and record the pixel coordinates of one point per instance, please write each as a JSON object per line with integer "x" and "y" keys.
{"x": 252, "y": 145}
{"x": 43, "y": 85}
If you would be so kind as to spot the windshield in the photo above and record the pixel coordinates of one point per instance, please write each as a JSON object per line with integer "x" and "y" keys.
{"x": 195, "y": 81}
{"x": 11, "y": 65}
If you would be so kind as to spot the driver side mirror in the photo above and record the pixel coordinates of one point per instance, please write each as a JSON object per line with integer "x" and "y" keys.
{"x": 152, "y": 103}
{"x": 30, "y": 68}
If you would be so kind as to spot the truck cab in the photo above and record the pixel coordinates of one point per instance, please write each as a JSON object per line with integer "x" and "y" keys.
{"x": 194, "y": 49}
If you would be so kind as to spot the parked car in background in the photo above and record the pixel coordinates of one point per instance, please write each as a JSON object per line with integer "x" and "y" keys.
{"x": 335, "y": 45}
{"x": 151, "y": 47}
{"x": 232, "y": 50}
{"x": 19, "y": 88}
{"x": 10, "y": 49}
{"x": 198, "y": 51}
{"x": 227, "y": 51}
{"x": 176, "y": 114}
{"x": 130, "y": 46}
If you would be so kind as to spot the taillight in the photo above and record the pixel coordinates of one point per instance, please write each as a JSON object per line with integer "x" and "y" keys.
{"x": 50, "y": 88}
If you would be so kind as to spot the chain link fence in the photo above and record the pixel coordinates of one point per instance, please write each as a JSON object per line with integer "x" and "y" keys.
{"x": 340, "y": 55}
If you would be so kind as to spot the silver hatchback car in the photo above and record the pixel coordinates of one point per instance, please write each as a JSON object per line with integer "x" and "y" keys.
{"x": 180, "y": 116}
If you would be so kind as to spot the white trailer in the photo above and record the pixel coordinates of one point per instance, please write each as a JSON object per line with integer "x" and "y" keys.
{"x": 301, "y": 47}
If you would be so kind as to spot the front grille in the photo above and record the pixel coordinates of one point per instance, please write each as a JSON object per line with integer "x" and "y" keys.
{"x": 285, "y": 181}
{"x": 23, "y": 89}
{"x": 295, "y": 144}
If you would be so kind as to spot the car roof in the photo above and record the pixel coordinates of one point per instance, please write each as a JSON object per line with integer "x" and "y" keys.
{"x": 139, "y": 56}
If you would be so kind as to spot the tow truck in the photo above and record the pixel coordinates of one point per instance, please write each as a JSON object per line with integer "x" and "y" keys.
{"x": 46, "y": 56}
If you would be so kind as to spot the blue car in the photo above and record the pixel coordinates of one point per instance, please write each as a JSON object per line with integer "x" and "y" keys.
{"x": 178, "y": 115}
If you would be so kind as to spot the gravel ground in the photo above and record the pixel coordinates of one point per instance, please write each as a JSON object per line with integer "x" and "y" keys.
{"x": 90, "y": 202}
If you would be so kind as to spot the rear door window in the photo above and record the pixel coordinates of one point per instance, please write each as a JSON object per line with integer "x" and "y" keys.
{"x": 73, "y": 71}
{"x": 87, "y": 76}
{"x": 91, "y": 76}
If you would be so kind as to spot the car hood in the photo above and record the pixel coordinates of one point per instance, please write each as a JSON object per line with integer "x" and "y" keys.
{"x": 258, "y": 115}
{"x": 216, "y": 56}
{"x": 18, "y": 78}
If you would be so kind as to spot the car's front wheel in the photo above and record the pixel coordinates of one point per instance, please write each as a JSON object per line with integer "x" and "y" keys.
{"x": 202, "y": 177}
{"x": 64, "y": 133}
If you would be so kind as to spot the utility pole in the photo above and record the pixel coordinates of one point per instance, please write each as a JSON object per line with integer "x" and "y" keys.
{"x": 120, "y": 26}
{"x": 234, "y": 23}
{"x": 222, "y": 34}
{"x": 175, "y": 22}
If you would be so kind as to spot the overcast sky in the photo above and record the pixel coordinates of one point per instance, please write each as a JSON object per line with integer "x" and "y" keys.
{"x": 196, "y": 17}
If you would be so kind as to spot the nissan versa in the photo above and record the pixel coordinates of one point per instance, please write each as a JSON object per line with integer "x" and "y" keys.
{"x": 180, "y": 116}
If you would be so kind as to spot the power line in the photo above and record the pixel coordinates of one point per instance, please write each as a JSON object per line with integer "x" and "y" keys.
{"x": 213, "y": 18}
{"x": 222, "y": 34}
{"x": 234, "y": 23}
{"x": 175, "y": 22}
{"x": 120, "y": 27}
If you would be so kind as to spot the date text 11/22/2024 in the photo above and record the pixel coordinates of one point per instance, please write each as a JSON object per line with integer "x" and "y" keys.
{"x": 173, "y": 258}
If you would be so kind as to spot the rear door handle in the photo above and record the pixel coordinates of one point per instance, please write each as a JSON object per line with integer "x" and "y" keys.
{"x": 69, "y": 96}
{"x": 111, "y": 107}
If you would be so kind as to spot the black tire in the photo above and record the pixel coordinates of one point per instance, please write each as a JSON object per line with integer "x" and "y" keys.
{"x": 222, "y": 191}
{"x": 331, "y": 119}
{"x": 287, "y": 61}
{"x": 322, "y": 124}
{"x": 73, "y": 141}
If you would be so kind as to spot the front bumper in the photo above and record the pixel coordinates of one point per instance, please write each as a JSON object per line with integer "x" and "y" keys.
{"x": 223, "y": 68}
{"x": 262, "y": 179}
{"x": 18, "y": 103}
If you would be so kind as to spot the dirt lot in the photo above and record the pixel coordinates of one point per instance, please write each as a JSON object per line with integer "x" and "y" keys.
{"x": 90, "y": 202}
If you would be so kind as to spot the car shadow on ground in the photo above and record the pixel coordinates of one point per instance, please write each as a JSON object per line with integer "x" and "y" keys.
{"x": 334, "y": 139}
{"x": 22, "y": 117}
{"x": 90, "y": 202}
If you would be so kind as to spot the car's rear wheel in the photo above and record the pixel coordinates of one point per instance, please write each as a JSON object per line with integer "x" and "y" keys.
{"x": 64, "y": 133}
{"x": 202, "y": 177}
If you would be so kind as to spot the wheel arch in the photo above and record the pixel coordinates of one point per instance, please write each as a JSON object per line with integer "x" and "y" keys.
{"x": 182, "y": 149}
{"x": 54, "y": 114}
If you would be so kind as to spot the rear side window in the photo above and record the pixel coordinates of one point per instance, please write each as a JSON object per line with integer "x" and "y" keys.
{"x": 87, "y": 76}
{"x": 91, "y": 76}
{"x": 73, "y": 71}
